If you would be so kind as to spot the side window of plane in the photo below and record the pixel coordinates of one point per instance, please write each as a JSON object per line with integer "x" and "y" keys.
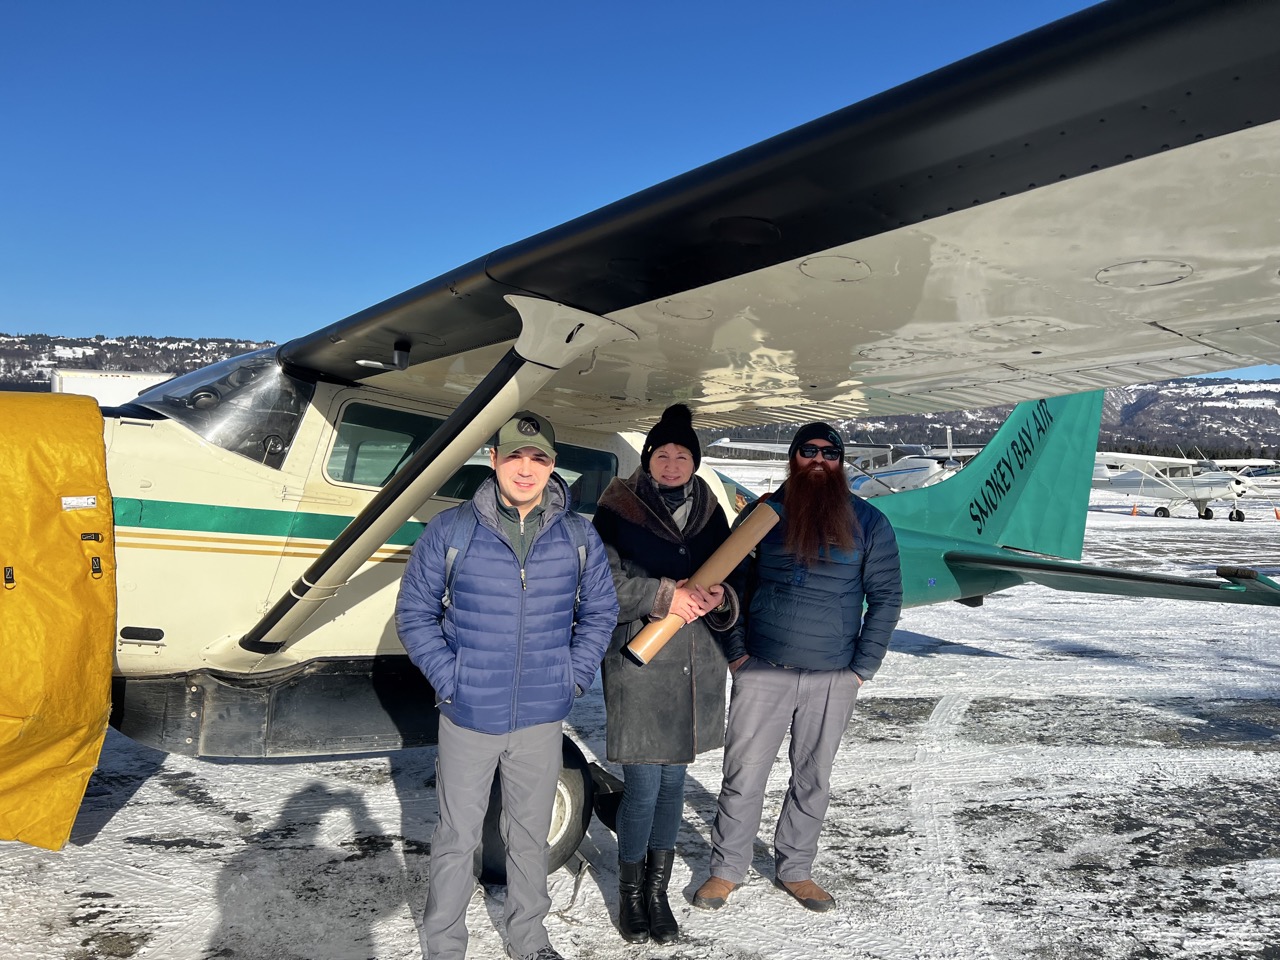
{"x": 374, "y": 442}
{"x": 587, "y": 472}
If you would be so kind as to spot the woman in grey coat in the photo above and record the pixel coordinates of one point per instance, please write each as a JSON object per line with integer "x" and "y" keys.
{"x": 658, "y": 526}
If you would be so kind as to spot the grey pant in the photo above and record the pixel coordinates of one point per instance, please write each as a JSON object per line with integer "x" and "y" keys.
{"x": 767, "y": 701}
{"x": 528, "y": 762}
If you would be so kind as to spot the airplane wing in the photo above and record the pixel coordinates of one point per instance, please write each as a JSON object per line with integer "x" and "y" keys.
{"x": 1235, "y": 584}
{"x": 1246, "y": 464}
{"x": 1144, "y": 462}
{"x": 1085, "y": 206}
{"x": 1081, "y": 207}
{"x": 756, "y": 446}
{"x": 781, "y": 447}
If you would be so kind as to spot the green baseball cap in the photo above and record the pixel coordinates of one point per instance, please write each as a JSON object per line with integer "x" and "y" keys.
{"x": 526, "y": 429}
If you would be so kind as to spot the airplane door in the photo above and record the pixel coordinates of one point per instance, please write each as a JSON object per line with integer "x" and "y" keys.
{"x": 362, "y": 445}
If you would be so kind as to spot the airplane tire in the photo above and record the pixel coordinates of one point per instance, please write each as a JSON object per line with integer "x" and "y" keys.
{"x": 1206, "y": 514}
{"x": 1162, "y": 511}
{"x": 1237, "y": 515}
{"x": 570, "y": 818}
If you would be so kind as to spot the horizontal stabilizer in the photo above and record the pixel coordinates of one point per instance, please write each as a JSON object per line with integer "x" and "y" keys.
{"x": 1238, "y": 584}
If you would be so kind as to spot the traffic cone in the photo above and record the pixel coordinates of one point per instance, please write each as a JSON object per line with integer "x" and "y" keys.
{"x": 1134, "y": 512}
{"x": 1277, "y": 509}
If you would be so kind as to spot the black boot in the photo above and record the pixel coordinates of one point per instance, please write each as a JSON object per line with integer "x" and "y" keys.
{"x": 633, "y": 919}
{"x": 662, "y": 923}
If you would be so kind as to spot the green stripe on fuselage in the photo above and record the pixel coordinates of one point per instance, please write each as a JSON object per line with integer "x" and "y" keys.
{"x": 213, "y": 518}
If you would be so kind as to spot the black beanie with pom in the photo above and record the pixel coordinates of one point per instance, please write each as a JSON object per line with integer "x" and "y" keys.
{"x": 676, "y": 426}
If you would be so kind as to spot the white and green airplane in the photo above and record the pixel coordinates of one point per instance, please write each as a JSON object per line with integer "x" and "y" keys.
{"x": 1090, "y": 205}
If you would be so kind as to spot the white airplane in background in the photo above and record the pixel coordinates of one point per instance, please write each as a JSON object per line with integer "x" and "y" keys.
{"x": 1262, "y": 475}
{"x": 1176, "y": 479}
{"x": 875, "y": 469}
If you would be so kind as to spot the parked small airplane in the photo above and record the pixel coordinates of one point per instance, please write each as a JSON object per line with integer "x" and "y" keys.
{"x": 875, "y": 469}
{"x": 1082, "y": 207}
{"x": 1261, "y": 475}
{"x": 1178, "y": 480}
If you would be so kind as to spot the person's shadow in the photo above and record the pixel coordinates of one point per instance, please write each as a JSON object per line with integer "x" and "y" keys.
{"x": 413, "y": 773}
{"x": 309, "y": 886}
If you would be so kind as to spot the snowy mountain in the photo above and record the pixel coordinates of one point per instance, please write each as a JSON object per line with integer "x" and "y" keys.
{"x": 1217, "y": 417}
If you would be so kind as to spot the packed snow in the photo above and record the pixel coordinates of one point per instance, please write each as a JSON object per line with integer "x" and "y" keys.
{"x": 1049, "y": 776}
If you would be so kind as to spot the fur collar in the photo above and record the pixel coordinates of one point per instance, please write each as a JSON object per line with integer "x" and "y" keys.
{"x": 636, "y": 500}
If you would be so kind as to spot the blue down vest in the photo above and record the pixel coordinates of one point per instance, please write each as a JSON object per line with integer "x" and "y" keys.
{"x": 811, "y": 616}
{"x": 503, "y": 656}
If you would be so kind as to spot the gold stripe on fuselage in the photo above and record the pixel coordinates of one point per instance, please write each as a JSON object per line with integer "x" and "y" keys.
{"x": 243, "y": 546}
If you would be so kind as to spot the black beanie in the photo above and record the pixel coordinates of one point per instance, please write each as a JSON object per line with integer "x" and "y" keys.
{"x": 676, "y": 426}
{"x": 815, "y": 431}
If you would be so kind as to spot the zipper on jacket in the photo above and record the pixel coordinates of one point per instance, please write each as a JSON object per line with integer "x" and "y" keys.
{"x": 524, "y": 587}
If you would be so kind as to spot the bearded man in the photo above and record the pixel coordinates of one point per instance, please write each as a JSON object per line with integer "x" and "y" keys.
{"x": 798, "y": 658}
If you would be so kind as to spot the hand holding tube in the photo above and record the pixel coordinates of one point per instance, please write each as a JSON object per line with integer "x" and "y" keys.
{"x": 645, "y": 645}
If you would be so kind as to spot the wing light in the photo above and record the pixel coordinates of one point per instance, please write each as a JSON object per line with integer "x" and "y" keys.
{"x": 399, "y": 358}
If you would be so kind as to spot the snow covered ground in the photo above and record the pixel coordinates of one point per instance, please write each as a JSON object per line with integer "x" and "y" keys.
{"x": 1049, "y": 776}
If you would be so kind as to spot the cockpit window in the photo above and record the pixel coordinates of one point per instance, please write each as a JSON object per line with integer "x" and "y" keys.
{"x": 374, "y": 442}
{"x": 246, "y": 404}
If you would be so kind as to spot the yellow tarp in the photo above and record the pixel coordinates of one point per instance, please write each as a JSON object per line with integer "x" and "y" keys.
{"x": 57, "y": 610}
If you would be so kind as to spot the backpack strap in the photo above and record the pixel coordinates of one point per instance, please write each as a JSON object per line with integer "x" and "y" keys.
{"x": 463, "y": 527}
{"x": 578, "y": 534}
{"x": 460, "y": 532}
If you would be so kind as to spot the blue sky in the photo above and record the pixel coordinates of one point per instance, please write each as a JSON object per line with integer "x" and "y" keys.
{"x": 261, "y": 168}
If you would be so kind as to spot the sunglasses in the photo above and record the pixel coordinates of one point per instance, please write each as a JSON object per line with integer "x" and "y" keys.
{"x": 809, "y": 451}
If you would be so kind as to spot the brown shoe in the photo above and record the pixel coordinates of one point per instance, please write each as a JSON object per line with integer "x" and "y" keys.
{"x": 712, "y": 894}
{"x": 810, "y": 895}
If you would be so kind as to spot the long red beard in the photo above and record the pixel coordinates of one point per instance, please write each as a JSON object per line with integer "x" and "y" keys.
{"x": 819, "y": 512}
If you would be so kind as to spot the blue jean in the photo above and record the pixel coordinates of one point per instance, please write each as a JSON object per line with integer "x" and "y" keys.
{"x": 652, "y": 803}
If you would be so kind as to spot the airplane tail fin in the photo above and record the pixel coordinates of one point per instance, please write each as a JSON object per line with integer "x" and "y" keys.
{"x": 1029, "y": 487}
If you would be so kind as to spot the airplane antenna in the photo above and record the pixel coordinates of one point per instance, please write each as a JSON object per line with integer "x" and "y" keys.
{"x": 1205, "y": 457}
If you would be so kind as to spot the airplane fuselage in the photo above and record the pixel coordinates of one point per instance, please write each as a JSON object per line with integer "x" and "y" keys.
{"x": 1212, "y": 485}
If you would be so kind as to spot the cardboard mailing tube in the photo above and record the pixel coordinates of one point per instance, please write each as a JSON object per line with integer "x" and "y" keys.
{"x": 644, "y": 646}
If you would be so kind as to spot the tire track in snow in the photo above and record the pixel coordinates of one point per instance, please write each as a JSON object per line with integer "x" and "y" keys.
{"x": 939, "y": 868}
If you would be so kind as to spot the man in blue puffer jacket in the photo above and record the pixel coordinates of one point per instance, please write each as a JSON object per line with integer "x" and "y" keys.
{"x": 797, "y": 665}
{"x": 506, "y": 656}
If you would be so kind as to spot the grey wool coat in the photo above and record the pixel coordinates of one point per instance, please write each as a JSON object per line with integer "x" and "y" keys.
{"x": 673, "y": 707}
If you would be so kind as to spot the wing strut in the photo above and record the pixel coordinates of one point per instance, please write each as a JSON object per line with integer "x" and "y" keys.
{"x": 552, "y": 336}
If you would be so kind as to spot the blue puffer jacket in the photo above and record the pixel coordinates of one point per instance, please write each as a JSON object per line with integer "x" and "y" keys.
{"x": 811, "y": 616}
{"x": 502, "y": 657}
